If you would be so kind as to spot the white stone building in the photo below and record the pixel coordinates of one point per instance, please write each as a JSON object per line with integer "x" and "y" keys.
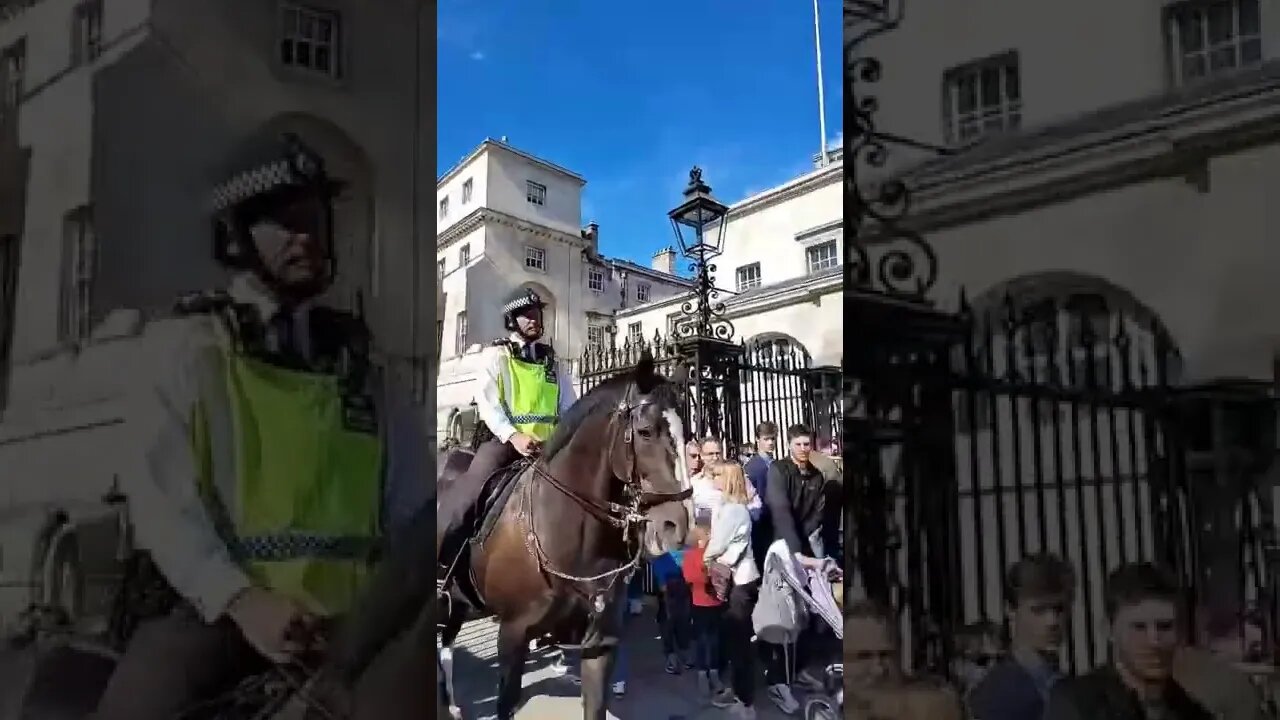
{"x": 505, "y": 220}
{"x": 781, "y": 277}
{"x": 117, "y": 117}
{"x": 1125, "y": 152}
{"x": 780, "y": 272}
{"x": 121, "y": 115}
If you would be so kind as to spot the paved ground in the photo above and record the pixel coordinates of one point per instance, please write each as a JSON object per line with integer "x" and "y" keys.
{"x": 651, "y": 693}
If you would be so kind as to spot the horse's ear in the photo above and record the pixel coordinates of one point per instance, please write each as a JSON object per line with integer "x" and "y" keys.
{"x": 646, "y": 376}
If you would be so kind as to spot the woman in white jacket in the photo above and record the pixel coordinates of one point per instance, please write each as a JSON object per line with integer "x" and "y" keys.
{"x": 730, "y": 545}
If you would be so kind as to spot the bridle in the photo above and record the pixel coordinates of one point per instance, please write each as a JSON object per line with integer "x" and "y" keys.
{"x": 628, "y": 517}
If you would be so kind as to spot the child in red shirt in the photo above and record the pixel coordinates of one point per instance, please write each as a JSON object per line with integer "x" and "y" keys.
{"x": 708, "y": 611}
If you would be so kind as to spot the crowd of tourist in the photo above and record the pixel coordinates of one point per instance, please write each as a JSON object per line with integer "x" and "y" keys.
{"x": 744, "y": 500}
{"x": 1018, "y": 671}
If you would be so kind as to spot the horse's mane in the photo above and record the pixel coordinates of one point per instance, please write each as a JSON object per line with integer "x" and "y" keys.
{"x": 602, "y": 397}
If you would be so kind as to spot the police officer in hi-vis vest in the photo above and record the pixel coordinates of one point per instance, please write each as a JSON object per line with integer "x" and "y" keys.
{"x": 273, "y": 460}
{"x": 523, "y": 393}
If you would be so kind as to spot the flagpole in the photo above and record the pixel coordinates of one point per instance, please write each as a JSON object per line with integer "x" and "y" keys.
{"x": 822, "y": 104}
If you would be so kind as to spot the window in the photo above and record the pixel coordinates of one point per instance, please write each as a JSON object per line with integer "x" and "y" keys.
{"x": 13, "y": 71}
{"x": 635, "y": 335}
{"x": 535, "y": 193}
{"x": 673, "y": 323}
{"x": 1210, "y": 37}
{"x": 440, "y": 268}
{"x": 535, "y": 258}
{"x": 595, "y": 280}
{"x": 748, "y": 276}
{"x": 467, "y": 188}
{"x": 79, "y": 251}
{"x": 464, "y": 255}
{"x": 822, "y": 257}
{"x": 310, "y": 39}
{"x": 595, "y": 336}
{"x": 86, "y": 32}
{"x": 460, "y": 343}
{"x": 982, "y": 98}
{"x": 643, "y": 290}
{"x": 444, "y": 208}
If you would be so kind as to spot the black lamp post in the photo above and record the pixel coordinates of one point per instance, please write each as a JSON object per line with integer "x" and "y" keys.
{"x": 702, "y": 336}
{"x": 699, "y": 226}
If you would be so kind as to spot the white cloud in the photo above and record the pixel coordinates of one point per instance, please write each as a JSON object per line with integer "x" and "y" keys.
{"x": 477, "y": 55}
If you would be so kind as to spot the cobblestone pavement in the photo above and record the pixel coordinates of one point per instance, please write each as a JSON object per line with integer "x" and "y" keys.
{"x": 651, "y": 694}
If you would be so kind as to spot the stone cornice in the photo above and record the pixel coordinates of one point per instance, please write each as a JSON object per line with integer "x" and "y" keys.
{"x": 833, "y": 173}
{"x": 658, "y": 275}
{"x": 764, "y": 301}
{"x": 1163, "y": 145}
{"x": 484, "y": 216}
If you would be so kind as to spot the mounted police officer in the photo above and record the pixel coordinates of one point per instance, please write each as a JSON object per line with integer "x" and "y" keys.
{"x": 523, "y": 392}
{"x": 273, "y": 460}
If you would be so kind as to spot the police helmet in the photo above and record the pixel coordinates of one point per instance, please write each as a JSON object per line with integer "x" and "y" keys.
{"x": 520, "y": 301}
{"x": 273, "y": 172}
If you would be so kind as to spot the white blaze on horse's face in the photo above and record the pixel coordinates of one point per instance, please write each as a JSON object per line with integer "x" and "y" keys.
{"x": 675, "y": 429}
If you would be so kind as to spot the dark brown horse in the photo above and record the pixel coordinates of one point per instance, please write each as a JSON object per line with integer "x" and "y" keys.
{"x": 610, "y": 486}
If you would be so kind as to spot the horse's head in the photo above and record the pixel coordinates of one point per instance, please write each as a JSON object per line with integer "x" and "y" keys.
{"x": 646, "y": 452}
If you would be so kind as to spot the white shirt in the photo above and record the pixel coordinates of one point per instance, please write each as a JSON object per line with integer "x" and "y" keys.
{"x": 730, "y": 542}
{"x": 706, "y": 497}
{"x": 247, "y": 289}
{"x": 489, "y": 405}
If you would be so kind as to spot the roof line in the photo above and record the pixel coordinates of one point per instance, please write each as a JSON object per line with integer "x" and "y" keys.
{"x": 491, "y": 143}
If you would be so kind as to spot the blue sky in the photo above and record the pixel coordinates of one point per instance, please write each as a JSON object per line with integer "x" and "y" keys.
{"x": 630, "y": 95}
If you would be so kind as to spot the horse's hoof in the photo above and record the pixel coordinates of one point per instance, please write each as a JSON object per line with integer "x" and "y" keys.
{"x": 455, "y": 712}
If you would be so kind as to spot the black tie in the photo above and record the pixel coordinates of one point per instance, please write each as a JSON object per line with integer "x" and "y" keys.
{"x": 528, "y": 354}
{"x": 286, "y": 345}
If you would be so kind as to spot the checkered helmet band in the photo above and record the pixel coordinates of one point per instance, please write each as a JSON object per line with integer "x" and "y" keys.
{"x": 252, "y": 183}
{"x": 522, "y": 301}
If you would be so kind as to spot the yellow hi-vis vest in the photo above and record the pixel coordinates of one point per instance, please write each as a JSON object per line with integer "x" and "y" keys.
{"x": 308, "y": 493}
{"x": 532, "y": 402}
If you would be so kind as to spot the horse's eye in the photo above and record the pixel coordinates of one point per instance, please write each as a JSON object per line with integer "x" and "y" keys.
{"x": 645, "y": 432}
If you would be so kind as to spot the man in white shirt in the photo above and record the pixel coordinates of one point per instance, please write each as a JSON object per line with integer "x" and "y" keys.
{"x": 706, "y": 496}
{"x": 523, "y": 393}
{"x": 273, "y": 463}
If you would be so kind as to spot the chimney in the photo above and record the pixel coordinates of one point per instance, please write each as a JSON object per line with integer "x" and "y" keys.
{"x": 591, "y": 233}
{"x": 665, "y": 260}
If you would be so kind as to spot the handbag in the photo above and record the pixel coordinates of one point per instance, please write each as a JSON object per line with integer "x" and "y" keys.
{"x": 719, "y": 580}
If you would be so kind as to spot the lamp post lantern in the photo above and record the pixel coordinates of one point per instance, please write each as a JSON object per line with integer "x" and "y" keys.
{"x": 699, "y": 227}
{"x": 702, "y": 336}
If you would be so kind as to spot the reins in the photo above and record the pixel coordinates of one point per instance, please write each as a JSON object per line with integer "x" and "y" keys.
{"x": 629, "y": 518}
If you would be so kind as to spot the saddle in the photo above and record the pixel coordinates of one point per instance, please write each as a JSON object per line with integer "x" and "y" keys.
{"x": 493, "y": 499}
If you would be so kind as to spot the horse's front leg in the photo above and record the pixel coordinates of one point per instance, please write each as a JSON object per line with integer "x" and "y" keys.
{"x": 599, "y": 653}
{"x": 452, "y": 626}
{"x": 597, "y": 668}
{"x": 513, "y": 648}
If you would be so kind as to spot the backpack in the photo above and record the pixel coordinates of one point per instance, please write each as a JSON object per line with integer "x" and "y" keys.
{"x": 780, "y": 614}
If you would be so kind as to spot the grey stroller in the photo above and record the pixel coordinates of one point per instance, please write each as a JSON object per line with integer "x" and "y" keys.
{"x": 789, "y": 597}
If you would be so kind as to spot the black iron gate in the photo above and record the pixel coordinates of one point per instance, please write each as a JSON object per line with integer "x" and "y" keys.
{"x": 733, "y": 386}
{"x": 984, "y": 437}
{"x": 1039, "y": 422}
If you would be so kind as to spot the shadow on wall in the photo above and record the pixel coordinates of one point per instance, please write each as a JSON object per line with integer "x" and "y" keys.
{"x": 161, "y": 142}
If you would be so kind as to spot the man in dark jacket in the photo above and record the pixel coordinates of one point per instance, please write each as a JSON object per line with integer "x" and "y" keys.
{"x": 1138, "y": 684}
{"x": 1038, "y": 591}
{"x": 757, "y": 470}
{"x": 796, "y": 500}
